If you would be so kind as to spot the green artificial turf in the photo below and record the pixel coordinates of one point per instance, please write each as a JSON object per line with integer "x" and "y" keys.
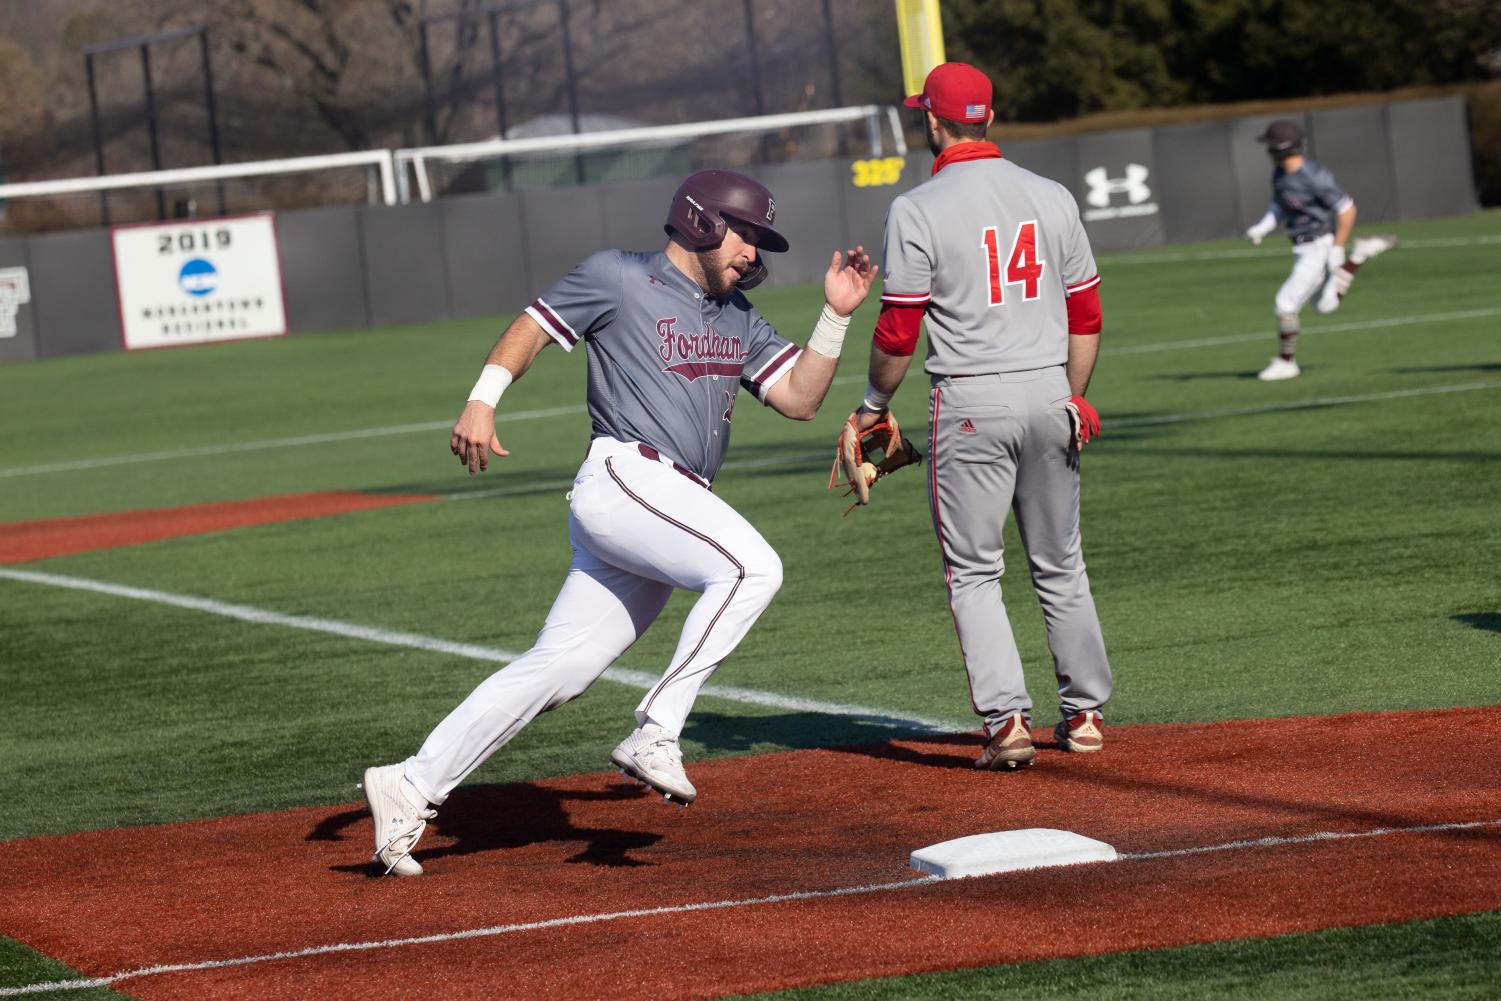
{"x": 23, "y": 967}
{"x": 1451, "y": 958}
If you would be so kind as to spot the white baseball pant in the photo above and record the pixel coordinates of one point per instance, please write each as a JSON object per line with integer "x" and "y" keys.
{"x": 1310, "y": 270}
{"x": 639, "y": 528}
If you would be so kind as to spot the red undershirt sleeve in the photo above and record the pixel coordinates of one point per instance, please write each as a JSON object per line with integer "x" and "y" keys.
{"x": 897, "y": 328}
{"x": 1084, "y": 315}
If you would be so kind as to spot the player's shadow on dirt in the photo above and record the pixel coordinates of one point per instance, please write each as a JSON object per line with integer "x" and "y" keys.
{"x": 866, "y": 735}
{"x": 491, "y": 818}
{"x": 1489, "y": 621}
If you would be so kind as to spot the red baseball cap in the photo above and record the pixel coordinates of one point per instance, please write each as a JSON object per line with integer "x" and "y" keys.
{"x": 955, "y": 91}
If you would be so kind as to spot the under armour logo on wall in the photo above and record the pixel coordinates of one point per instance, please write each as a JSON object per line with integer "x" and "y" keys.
{"x": 1133, "y": 185}
{"x": 1103, "y": 187}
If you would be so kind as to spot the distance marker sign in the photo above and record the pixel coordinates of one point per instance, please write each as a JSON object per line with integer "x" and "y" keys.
{"x": 199, "y": 281}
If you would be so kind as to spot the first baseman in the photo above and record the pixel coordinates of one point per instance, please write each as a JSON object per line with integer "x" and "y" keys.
{"x": 1318, "y": 218}
{"x": 670, "y": 340}
{"x": 995, "y": 259}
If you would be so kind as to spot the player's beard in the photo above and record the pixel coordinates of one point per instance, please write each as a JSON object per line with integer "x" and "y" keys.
{"x": 719, "y": 281}
{"x": 928, "y": 133}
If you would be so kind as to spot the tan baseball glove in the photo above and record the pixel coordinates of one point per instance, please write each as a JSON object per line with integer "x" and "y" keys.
{"x": 864, "y": 457}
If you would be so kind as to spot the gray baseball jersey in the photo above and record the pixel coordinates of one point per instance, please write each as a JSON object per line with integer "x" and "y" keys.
{"x": 666, "y": 360}
{"x": 1307, "y": 201}
{"x": 993, "y": 251}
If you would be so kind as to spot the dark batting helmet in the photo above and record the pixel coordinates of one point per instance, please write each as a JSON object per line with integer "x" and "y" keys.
{"x": 705, "y": 201}
{"x": 1282, "y": 138}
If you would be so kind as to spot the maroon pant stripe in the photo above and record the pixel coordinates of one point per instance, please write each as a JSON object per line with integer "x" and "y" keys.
{"x": 739, "y": 567}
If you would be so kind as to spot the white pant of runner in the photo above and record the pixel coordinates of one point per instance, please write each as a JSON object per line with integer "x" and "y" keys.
{"x": 1310, "y": 270}
{"x": 639, "y": 528}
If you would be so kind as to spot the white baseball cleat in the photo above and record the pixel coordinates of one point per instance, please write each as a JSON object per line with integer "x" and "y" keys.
{"x": 652, "y": 755}
{"x": 1280, "y": 368}
{"x": 1367, "y": 247}
{"x": 398, "y": 822}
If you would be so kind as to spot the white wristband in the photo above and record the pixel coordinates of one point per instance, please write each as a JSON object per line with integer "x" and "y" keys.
{"x": 492, "y": 382}
{"x": 875, "y": 401}
{"x": 828, "y": 333}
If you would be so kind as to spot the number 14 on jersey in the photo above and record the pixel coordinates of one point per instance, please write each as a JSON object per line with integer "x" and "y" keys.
{"x": 1023, "y": 266}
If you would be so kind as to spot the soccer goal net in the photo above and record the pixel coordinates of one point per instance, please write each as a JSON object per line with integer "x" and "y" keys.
{"x": 225, "y": 189}
{"x": 611, "y": 149}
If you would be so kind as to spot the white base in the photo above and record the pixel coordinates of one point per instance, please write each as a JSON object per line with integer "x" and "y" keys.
{"x": 1007, "y": 851}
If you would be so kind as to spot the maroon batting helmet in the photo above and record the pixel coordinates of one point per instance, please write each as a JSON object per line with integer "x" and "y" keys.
{"x": 705, "y": 200}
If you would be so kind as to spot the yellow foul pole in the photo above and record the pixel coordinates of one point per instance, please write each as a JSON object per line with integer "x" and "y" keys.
{"x": 921, "y": 32}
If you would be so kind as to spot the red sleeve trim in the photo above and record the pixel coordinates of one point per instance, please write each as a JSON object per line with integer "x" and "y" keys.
{"x": 906, "y": 298}
{"x": 897, "y": 328}
{"x": 1087, "y": 283}
{"x": 1084, "y": 315}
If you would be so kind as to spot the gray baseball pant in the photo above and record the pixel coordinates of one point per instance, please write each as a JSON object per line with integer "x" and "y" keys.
{"x": 1002, "y": 442}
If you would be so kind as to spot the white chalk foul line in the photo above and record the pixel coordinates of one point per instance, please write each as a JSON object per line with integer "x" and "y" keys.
{"x": 578, "y": 919}
{"x": 269, "y": 443}
{"x": 1315, "y": 403}
{"x": 1332, "y": 328}
{"x": 526, "y": 415}
{"x": 1275, "y": 251}
{"x": 1303, "y": 839}
{"x": 640, "y": 680}
{"x": 1312, "y": 404}
{"x": 299, "y": 440}
{"x": 711, "y": 905}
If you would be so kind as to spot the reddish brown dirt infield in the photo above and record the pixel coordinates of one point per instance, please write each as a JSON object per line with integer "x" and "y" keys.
{"x": 809, "y": 820}
{"x": 21, "y": 541}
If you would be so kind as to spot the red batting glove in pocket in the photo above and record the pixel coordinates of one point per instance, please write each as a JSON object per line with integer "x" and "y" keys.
{"x": 1085, "y": 419}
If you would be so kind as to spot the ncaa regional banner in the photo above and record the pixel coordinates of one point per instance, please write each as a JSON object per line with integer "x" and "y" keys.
{"x": 199, "y": 281}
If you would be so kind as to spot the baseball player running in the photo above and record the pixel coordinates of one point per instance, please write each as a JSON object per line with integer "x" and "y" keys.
{"x": 996, "y": 259}
{"x": 1318, "y": 218}
{"x": 670, "y": 340}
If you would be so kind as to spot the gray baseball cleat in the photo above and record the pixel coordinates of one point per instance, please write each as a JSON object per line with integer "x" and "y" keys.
{"x": 652, "y": 755}
{"x": 398, "y": 822}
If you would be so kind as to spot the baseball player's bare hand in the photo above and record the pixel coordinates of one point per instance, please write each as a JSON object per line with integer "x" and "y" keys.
{"x": 474, "y": 437}
{"x": 846, "y": 285}
{"x": 866, "y": 419}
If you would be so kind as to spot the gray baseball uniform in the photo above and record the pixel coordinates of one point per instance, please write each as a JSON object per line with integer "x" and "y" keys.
{"x": 665, "y": 365}
{"x": 1307, "y": 201}
{"x": 993, "y": 251}
{"x": 665, "y": 360}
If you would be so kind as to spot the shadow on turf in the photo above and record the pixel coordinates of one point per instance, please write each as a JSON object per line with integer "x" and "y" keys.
{"x": 1489, "y": 621}
{"x": 1480, "y": 367}
{"x": 870, "y": 736}
{"x": 492, "y": 818}
{"x": 1240, "y": 376}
